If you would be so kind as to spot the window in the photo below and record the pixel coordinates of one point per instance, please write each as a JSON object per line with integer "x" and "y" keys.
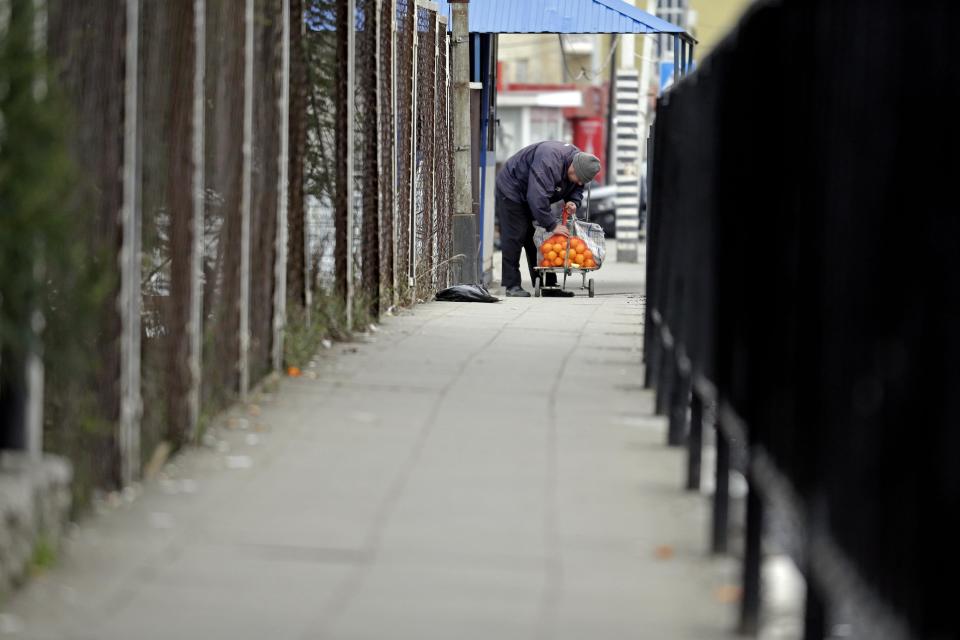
{"x": 520, "y": 70}
{"x": 548, "y": 123}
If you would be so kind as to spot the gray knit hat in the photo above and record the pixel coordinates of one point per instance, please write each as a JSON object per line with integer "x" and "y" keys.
{"x": 586, "y": 166}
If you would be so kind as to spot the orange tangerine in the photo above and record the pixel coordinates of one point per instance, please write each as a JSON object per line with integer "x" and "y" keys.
{"x": 558, "y": 262}
{"x": 546, "y": 263}
{"x": 589, "y": 263}
{"x": 552, "y": 255}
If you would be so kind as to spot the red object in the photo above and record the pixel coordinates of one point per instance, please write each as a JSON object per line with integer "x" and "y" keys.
{"x": 541, "y": 86}
{"x": 589, "y": 135}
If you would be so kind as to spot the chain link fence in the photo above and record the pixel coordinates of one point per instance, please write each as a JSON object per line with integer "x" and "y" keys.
{"x": 405, "y": 39}
{"x": 247, "y": 177}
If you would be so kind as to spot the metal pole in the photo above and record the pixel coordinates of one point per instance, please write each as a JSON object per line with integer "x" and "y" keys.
{"x": 679, "y": 401}
{"x": 464, "y": 220}
{"x": 695, "y": 443}
{"x": 814, "y": 614}
{"x": 483, "y": 77}
{"x": 307, "y": 270}
{"x": 411, "y": 221}
{"x": 666, "y": 376}
{"x": 380, "y": 168}
{"x": 34, "y": 369}
{"x": 677, "y": 411}
{"x": 245, "y": 207}
{"x": 195, "y": 324}
{"x": 610, "y": 168}
{"x": 351, "y": 117}
{"x": 280, "y": 265}
{"x": 393, "y": 156}
{"x": 129, "y": 427}
{"x": 721, "y": 493}
{"x": 752, "y": 560}
{"x": 676, "y": 59}
{"x": 434, "y": 245}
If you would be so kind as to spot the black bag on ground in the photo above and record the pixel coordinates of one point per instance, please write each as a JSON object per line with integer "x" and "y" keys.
{"x": 466, "y": 293}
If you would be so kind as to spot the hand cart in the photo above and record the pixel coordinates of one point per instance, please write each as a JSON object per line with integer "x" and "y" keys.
{"x": 567, "y": 268}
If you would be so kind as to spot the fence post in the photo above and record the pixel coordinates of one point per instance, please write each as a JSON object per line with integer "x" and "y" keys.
{"x": 128, "y": 436}
{"x": 434, "y": 227}
{"x": 415, "y": 107}
{"x": 34, "y": 373}
{"x": 444, "y": 163}
{"x": 351, "y": 24}
{"x": 195, "y": 323}
{"x": 245, "y": 207}
{"x": 370, "y": 176}
{"x": 381, "y": 169}
{"x": 280, "y": 259}
{"x": 393, "y": 168}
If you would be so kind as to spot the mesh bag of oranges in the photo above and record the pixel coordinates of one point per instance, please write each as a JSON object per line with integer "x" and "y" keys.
{"x": 583, "y": 250}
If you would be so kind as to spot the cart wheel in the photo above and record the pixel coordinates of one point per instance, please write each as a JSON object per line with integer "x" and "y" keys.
{"x": 590, "y": 287}
{"x": 536, "y": 287}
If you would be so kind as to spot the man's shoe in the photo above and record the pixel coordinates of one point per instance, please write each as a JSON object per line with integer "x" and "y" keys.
{"x": 517, "y": 292}
{"x": 556, "y": 293}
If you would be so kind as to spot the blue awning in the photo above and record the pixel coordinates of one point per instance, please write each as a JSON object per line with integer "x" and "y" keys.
{"x": 561, "y": 16}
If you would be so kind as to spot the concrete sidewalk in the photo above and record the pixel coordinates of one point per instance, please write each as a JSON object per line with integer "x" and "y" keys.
{"x": 487, "y": 471}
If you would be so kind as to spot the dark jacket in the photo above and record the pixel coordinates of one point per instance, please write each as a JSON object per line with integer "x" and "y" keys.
{"x": 537, "y": 175}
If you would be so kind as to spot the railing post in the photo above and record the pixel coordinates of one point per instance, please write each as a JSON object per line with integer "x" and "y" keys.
{"x": 666, "y": 372}
{"x": 695, "y": 442}
{"x": 814, "y": 614}
{"x": 679, "y": 403}
{"x": 721, "y": 493}
{"x": 752, "y": 561}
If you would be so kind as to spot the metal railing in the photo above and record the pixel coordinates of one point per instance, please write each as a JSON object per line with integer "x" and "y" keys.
{"x": 791, "y": 303}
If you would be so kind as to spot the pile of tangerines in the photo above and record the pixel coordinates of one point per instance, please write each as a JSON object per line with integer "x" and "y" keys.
{"x": 554, "y": 249}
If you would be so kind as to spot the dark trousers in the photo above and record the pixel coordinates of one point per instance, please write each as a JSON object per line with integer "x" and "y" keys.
{"x": 516, "y": 233}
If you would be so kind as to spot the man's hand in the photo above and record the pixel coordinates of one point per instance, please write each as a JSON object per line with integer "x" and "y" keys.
{"x": 561, "y": 230}
{"x": 571, "y": 208}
